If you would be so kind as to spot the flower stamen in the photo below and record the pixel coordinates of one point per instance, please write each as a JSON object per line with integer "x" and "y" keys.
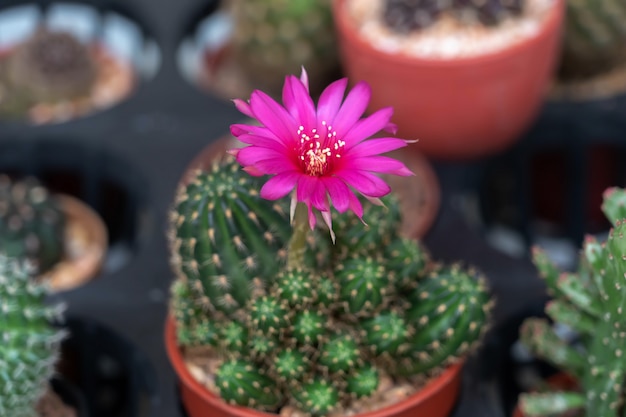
{"x": 315, "y": 150}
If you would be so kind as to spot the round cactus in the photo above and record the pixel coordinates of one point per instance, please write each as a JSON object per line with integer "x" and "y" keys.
{"x": 294, "y": 287}
{"x": 30, "y": 345}
{"x": 290, "y": 365}
{"x": 363, "y": 381}
{"x": 341, "y": 353}
{"x": 268, "y": 315}
{"x": 50, "y": 67}
{"x": 386, "y": 333}
{"x": 243, "y": 383}
{"x": 32, "y": 224}
{"x": 365, "y": 285}
{"x": 309, "y": 327}
{"x": 408, "y": 260}
{"x": 317, "y": 397}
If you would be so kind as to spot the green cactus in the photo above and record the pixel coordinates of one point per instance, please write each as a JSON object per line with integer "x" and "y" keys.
{"x": 32, "y": 224}
{"x": 317, "y": 397}
{"x": 226, "y": 240}
{"x": 594, "y": 39}
{"x": 356, "y": 239}
{"x": 363, "y": 381}
{"x": 49, "y": 67}
{"x": 318, "y": 337}
{"x": 341, "y": 354}
{"x": 365, "y": 285}
{"x": 592, "y": 302}
{"x": 278, "y": 37}
{"x": 244, "y": 383}
{"x": 450, "y": 310}
{"x": 30, "y": 345}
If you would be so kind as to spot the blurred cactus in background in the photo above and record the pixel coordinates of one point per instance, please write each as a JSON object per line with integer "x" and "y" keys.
{"x": 591, "y": 302}
{"x": 277, "y": 37}
{"x": 32, "y": 225}
{"x": 49, "y": 67}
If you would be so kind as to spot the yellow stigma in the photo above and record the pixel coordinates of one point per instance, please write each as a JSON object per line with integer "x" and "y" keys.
{"x": 317, "y": 152}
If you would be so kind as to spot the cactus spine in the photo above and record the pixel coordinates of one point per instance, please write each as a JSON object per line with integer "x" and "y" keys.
{"x": 32, "y": 225}
{"x": 593, "y": 302}
{"x": 313, "y": 336}
{"x": 30, "y": 346}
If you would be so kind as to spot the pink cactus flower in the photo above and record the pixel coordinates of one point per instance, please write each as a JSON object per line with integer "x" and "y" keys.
{"x": 321, "y": 154}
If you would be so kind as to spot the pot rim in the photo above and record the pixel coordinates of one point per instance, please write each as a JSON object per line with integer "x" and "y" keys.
{"x": 433, "y": 386}
{"x": 73, "y": 271}
{"x": 550, "y": 23}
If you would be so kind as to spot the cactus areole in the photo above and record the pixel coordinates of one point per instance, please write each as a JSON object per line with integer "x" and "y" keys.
{"x": 291, "y": 328}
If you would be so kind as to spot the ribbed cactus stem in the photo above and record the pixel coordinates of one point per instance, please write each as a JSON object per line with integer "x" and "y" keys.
{"x": 296, "y": 247}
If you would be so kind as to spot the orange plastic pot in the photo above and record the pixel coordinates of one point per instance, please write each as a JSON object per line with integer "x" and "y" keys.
{"x": 458, "y": 108}
{"x": 435, "y": 399}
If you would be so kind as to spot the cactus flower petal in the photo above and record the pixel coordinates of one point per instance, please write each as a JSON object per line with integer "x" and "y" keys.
{"x": 324, "y": 154}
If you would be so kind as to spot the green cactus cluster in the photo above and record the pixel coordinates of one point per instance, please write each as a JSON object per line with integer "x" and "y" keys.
{"x": 30, "y": 345}
{"x": 591, "y": 302}
{"x": 32, "y": 224}
{"x": 594, "y": 39}
{"x": 49, "y": 67}
{"x": 317, "y": 335}
{"x": 276, "y": 37}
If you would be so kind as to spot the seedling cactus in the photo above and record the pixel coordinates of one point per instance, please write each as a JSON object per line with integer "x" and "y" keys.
{"x": 30, "y": 345}
{"x": 32, "y": 225}
{"x": 313, "y": 335}
{"x": 593, "y": 303}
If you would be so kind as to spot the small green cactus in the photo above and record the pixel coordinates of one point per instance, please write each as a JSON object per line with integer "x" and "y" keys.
{"x": 593, "y": 303}
{"x": 317, "y": 336}
{"x": 49, "y": 67}
{"x": 30, "y": 345}
{"x": 277, "y": 37}
{"x": 244, "y": 383}
{"x": 32, "y": 224}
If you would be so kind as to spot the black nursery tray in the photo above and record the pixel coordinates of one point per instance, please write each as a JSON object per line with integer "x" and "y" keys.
{"x": 126, "y": 161}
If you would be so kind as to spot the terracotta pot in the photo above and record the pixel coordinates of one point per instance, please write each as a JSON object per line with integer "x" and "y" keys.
{"x": 435, "y": 399}
{"x": 420, "y": 195}
{"x": 458, "y": 108}
{"x": 559, "y": 381}
{"x": 85, "y": 243}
